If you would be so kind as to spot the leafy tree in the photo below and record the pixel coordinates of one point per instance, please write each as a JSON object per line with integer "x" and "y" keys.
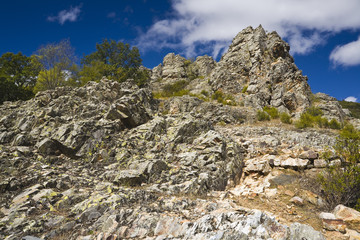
{"x": 95, "y": 71}
{"x": 58, "y": 62}
{"x": 114, "y": 60}
{"x": 18, "y": 74}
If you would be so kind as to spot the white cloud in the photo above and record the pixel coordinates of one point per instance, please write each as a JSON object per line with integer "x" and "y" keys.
{"x": 351, "y": 99}
{"x": 304, "y": 23}
{"x": 346, "y": 55}
{"x": 70, "y": 15}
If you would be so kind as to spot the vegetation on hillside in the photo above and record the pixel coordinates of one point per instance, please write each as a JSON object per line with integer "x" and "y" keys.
{"x": 340, "y": 185}
{"x": 353, "y": 107}
{"x": 313, "y": 117}
{"x": 55, "y": 65}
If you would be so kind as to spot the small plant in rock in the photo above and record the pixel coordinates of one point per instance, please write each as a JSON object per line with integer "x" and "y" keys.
{"x": 262, "y": 116}
{"x": 334, "y": 124}
{"x": 313, "y": 117}
{"x": 174, "y": 89}
{"x": 223, "y": 98}
{"x": 205, "y": 93}
{"x": 285, "y": 118}
{"x": 305, "y": 121}
{"x": 244, "y": 89}
{"x": 273, "y": 112}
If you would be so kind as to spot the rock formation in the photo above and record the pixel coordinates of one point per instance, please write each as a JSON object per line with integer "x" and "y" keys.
{"x": 108, "y": 161}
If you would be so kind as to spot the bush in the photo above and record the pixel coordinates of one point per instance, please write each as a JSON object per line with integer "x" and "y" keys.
{"x": 244, "y": 89}
{"x": 285, "y": 118}
{"x": 314, "y": 111}
{"x": 223, "y": 98}
{"x": 313, "y": 117}
{"x": 340, "y": 185}
{"x": 306, "y": 120}
{"x": 273, "y": 112}
{"x": 333, "y": 124}
{"x": 175, "y": 89}
{"x": 262, "y": 116}
{"x": 205, "y": 93}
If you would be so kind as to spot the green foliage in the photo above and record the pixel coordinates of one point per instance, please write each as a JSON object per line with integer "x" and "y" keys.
{"x": 285, "y": 118}
{"x": 340, "y": 185}
{"x": 190, "y": 69}
{"x": 262, "y": 116}
{"x": 114, "y": 60}
{"x": 17, "y": 76}
{"x": 314, "y": 111}
{"x": 306, "y": 120}
{"x": 313, "y": 117}
{"x": 273, "y": 112}
{"x": 353, "y": 107}
{"x": 244, "y": 89}
{"x": 205, "y": 93}
{"x": 175, "y": 89}
{"x": 10, "y": 92}
{"x": 223, "y": 98}
{"x": 334, "y": 124}
{"x": 94, "y": 72}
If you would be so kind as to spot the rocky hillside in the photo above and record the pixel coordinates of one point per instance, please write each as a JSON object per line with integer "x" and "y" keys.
{"x": 109, "y": 161}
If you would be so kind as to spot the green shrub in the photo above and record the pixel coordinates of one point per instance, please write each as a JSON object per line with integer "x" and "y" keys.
{"x": 262, "y": 116}
{"x": 321, "y": 122}
{"x": 175, "y": 89}
{"x": 333, "y": 124}
{"x": 306, "y": 120}
{"x": 205, "y": 93}
{"x": 244, "y": 89}
{"x": 285, "y": 118}
{"x": 273, "y": 112}
{"x": 313, "y": 117}
{"x": 340, "y": 185}
{"x": 222, "y": 98}
{"x": 314, "y": 111}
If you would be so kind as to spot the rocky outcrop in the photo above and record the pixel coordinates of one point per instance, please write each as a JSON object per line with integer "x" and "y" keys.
{"x": 330, "y": 107}
{"x": 259, "y": 64}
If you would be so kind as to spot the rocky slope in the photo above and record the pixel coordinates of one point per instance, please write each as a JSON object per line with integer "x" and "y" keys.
{"x": 108, "y": 161}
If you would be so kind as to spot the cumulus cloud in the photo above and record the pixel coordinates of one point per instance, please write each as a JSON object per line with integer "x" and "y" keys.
{"x": 346, "y": 55}
{"x": 303, "y": 23}
{"x": 351, "y": 99}
{"x": 70, "y": 15}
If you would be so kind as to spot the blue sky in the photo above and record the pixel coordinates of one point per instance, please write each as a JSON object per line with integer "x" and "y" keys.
{"x": 323, "y": 34}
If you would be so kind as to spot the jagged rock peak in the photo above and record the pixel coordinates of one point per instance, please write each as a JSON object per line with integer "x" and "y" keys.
{"x": 259, "y": 70}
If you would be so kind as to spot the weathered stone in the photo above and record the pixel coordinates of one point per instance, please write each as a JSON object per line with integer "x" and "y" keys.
{"x": 297, "y": 200}
{"x": 300, "y": 232}
{"x": 311, "y": 155}
{"x": 320, "y": 163}
{"x": 350, "y": 216}
{"x": 130, "y": 177}
{"x": 294, "y": 163}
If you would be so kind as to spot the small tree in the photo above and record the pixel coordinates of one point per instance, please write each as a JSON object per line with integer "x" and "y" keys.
{"x": 58, "y": 62}
{"x": 18, "y": 76}
{"x": 114, "y": 60}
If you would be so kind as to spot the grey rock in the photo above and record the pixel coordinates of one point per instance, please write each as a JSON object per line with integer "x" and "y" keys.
{"x": 262, "y": 63}
{"x": 300, "y": 232}
{"x": 31, "y": 238}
